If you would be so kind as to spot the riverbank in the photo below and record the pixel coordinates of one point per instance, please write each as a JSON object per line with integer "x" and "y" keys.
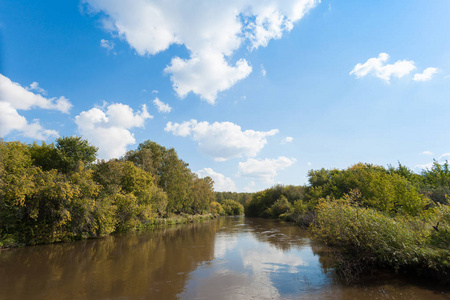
{"x": 373, "y": 217}
{"x": 8, "y": 242}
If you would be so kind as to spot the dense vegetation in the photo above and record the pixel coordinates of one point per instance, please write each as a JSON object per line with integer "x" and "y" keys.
{"x": 375, "y": 217}
{"x": 57, "y": 192}
{"x": 242, "y": 198}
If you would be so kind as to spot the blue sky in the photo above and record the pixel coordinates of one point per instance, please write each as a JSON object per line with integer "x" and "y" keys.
{"x": 250, "y": 93}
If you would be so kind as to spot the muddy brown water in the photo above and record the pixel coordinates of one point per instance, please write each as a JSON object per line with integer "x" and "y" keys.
{"x": 227, "y": 258}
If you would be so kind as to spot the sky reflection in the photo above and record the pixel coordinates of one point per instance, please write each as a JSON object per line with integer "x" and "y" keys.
{"x": 262, "y": 263}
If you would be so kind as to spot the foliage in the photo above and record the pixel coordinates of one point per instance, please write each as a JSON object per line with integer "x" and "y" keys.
{"x": 379, "y": 189}
{"x": 66, "y": 156}
{"x": 369, "y": 237}
{"x": 133, "y": 192}
{"x": 216, "y": 209}
{"x": 43, "y": 206}
{"x": 56, "y": 192}
{"x": 232, "y": 208}
{"x": 238, "y": 197}
{"x": 261, "y": 202}
{"x": 280, "y": 208}
{"x": 185, "y": 191}
{"x": 436, "y": 182}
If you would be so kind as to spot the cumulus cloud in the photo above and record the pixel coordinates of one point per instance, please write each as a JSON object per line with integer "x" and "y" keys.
{"x": 14, "y": 97}
{"x": 34, "y": 86}
{"x": 205, "y": 75}
{"x": 264, "y": 170}
{"x": 10, "y": 120}
{"x": 427, "y": 166}
{"x": 221, "y": 183}
{"x": 21, "y": 98}
{"x": 161, "y": 106}
{"x": 287, "y": 139}
{"x": 377, "y": 66}
{"x": 108, "y": 128}
{"x": 211, "y": 31}
{"x": 222, "y": 140}
{"x": 426, "y": 75}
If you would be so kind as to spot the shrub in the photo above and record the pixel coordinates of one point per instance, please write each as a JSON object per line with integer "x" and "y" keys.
{"x": 370, "y": 237}
{"x": 216, "y": 209}
{"x": 280, "y": 208}
{"x": 232, "y": 208}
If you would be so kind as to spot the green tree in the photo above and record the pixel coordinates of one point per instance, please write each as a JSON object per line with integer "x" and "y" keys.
{"x": 171, "y": 174}
{"x": 380, "y": 189}
{"x": 232, "y": 208}
{"x": 73, "y": 150}
{"x": 67, "y": 156}
{"x": 216, "y": 208}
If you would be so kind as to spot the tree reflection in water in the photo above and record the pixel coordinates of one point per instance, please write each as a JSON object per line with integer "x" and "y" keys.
{"x": 227, "y": 258}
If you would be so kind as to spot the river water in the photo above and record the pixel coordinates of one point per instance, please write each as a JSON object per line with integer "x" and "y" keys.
{"x": 227, "y": 258}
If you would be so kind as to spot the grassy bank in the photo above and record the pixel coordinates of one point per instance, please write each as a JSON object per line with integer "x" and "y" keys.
{"x": 367, "y": 239}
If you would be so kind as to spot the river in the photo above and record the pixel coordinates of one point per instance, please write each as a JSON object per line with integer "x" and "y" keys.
{"x": 226, "y": 258}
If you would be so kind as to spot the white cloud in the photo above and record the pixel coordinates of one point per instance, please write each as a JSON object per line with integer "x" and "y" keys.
{"x": 308, "y": 164}
{"x": 205, "y": 75}
{"x": 14, "y": 97}
{"x": 21, "y": 98}
{"x": 161, "y": 106}
{"x": 441, "y": 160}
{"x": 263, "y": 71}
{"x": 221, "y": 183}
{"x": 426, "y": 166}
{"x": 222, "y": 140}
{"x": 108, "y": 45}
{"x": 287, "y": 139}
{"x": 264, "y": 170}
{"x": 34, "y": 86}
{"x": 426, "y": 75}
{"x": 108, "y": 128}
{"x": 211, "y": 31}
{"x": 378, "y": 67}
{"x": 10, "y": 120}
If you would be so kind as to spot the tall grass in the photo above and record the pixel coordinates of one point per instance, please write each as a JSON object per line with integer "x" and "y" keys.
{"x": 367, "y": 238}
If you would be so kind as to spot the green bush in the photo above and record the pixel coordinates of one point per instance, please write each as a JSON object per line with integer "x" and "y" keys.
{"x": 216, "y": 209}
{"x": 280, "y": 208}
{"x": 370, "y": 237}
{"x": 378, "y": 188}
{"x": 232, "y": 208}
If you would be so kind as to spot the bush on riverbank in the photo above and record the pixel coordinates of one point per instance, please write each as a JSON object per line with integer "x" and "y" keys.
{"x": 371, "y": 238}
{"x": 232, "y": 208}
{"x": 375, "y": 217}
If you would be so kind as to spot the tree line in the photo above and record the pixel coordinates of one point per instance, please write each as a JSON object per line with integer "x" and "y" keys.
{"x": 373, "y": 216}
{"x": 61, "y": 191}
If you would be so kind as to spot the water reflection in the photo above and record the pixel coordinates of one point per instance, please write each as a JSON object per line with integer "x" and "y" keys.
{"x": 262, "y": 260}
{"x": 228, "y": 258}
{"x": 154, "y": 265}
